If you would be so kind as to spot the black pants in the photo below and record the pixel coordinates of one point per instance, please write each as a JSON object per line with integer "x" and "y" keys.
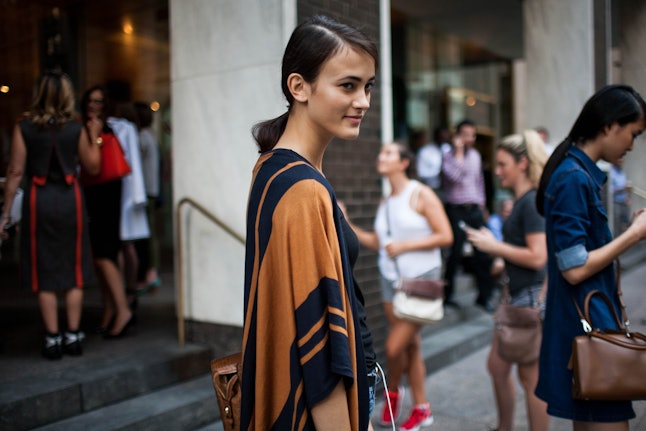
{"x": 478, "y": 264}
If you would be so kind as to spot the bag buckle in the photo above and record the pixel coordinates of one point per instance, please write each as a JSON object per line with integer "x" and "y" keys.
{"x": 586, "y": 326}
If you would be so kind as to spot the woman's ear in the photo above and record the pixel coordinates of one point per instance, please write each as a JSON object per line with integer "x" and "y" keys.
{"x": 298, "y": 87}
{"x": 607, "y": 128}
{"x": 524, "y": 163}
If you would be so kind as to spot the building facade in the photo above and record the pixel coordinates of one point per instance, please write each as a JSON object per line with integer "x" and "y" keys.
{"x": 213, "y": 66}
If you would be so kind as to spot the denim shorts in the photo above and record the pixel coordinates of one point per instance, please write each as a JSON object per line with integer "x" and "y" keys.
{"x": 373, "y": 381}
{"x": 528, "y": 297}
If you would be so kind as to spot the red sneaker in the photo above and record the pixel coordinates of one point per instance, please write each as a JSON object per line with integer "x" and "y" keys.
{"x": 396, "y": 399}
{"x": 421, "y": 416}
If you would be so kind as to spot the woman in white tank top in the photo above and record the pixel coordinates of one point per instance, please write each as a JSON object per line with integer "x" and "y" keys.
{"x": 411, "y": 227}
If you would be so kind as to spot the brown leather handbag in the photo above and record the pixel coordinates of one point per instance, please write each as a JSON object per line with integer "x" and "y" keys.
{"x": 608, "y": 364}
{"x": 519, "y": 331}
{"x": 227, "y": 380}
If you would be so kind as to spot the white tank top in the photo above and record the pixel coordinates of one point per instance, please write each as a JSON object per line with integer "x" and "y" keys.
{"x": 405, "y": 223}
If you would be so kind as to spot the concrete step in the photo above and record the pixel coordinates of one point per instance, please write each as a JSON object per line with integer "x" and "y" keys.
{"x": 445, "y": 347}
{"x": 460, "y": 333}
{"x": 183, "y": 406}
{"x": 51, "y": 394}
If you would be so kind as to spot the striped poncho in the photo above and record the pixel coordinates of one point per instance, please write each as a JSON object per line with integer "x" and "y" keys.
{"x": 301, "y": 328}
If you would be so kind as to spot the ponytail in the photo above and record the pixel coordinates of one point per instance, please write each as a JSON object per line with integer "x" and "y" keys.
{"x": 267, "y": 133}
{"x": 552, "y": 163}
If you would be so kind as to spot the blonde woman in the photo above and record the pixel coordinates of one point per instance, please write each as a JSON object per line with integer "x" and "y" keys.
{"x": 520, "y": 160}
{"x": 46, "y": 148}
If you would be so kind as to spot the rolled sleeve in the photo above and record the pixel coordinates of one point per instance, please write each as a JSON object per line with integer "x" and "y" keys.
{"x": 571, "y": 257}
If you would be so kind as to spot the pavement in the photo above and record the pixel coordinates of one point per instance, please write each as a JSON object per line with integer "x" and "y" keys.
{"x": 460, "y": 393}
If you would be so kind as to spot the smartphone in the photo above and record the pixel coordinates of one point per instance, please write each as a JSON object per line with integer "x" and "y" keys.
{"x": 462, "y": 225}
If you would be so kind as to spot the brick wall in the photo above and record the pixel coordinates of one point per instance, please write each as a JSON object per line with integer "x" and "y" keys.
{"x": 350, "y": 165}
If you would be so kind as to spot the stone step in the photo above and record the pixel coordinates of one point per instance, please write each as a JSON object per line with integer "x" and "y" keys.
{"x": 444, "y": 347}
{"x": 183, "y": 406}
{"x": 49, "y": 395}
{"x": 464, "y": 331}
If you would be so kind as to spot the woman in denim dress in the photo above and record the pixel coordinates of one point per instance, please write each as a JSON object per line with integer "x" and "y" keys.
{"x": 581, "y": 249}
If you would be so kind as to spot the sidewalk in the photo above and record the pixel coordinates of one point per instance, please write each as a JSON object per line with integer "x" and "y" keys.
{"x": 461, "y": 395}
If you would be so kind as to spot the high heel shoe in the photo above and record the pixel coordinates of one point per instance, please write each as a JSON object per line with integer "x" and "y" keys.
{"x": 102, "y": 330}
{"x": 124, "y": 331}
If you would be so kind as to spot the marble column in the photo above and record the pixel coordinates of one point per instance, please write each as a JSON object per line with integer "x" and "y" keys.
{"x": 559, "y": 63}
{"x": 632, "y": 66}
{"x": 225, "y": 68}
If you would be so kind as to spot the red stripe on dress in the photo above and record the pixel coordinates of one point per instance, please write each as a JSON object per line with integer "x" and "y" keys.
{"x": 32, "y": 231}
{"x": 78, "y": 267}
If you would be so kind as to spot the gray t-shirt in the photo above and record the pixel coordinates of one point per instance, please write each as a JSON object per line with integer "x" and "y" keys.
{"x": 523, "y": 220}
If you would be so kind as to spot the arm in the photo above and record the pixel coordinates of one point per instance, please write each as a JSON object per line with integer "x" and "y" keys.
{"x": 603, "y": 256}
{"x": 452, "y": 167}
{"x": 89, "y": 149}
{"x": 332, "y": 413}
{"x": 570, "y": 215}
{"x": 15, "y": 171}
{"x": 430, "y": 206}
{"x": 534, "y": 256}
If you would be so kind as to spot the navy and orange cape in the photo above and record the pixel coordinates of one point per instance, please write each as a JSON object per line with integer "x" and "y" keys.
{"x": 301, "y": 327}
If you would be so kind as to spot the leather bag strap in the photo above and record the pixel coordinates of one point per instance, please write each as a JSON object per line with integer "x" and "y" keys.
{"x": 584, "y": 315}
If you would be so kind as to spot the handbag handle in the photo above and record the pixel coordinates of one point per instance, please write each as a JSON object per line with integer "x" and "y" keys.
{"x": 388, "y": 232}
{"x": 585, "y": 315}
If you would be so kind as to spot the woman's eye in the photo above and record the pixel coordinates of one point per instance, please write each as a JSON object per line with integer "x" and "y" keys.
{"x": 348, "y": 85}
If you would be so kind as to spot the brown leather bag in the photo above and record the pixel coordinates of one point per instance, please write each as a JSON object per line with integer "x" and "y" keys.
{"x": 227, "y": 380}
{"x": 519, "y": 331}
{"x": 608, "y": 364}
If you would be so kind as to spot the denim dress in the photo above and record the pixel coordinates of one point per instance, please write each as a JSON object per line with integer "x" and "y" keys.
{"x": 576, "y": 223}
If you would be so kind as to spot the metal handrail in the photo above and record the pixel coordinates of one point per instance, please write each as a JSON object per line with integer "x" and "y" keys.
{"x": 639, "y": 192}
{"x": 180, "y": 275}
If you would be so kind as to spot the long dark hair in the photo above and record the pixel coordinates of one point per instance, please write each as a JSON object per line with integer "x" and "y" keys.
{"x": 311, "y": 44}
{"x": 619, "y": 104}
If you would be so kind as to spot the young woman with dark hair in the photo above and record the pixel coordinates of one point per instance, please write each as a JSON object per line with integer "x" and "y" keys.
{"x": 104, "y": 209}
{"x": 581, "y": 249}
{"x": 410, "y": 229}
{"x": 307, "y": 350}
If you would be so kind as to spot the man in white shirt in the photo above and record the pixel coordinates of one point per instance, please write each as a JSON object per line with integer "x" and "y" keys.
{"x": 429, "y": 159}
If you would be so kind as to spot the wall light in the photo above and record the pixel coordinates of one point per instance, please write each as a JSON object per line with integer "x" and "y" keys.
{"x": 128, "y": 28}
{"x": 470, "y": 101}
{"x": 154, "y": 106}
{"x": 4, "y": 89}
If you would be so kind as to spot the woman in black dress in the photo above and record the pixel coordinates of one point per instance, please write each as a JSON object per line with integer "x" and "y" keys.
{"x": 46, "y": 148}
{"x": 104, "y": 210}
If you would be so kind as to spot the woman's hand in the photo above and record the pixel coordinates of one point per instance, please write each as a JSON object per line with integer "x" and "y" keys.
{"x": 394, "y": 249}
{"x": 483, "y": 239}
{"x": 94, "y": 127}
{"x": 638, "y": 223}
